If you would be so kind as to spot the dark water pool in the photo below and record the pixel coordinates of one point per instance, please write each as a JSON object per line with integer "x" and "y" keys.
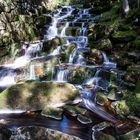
{"x": 67, "y": 125}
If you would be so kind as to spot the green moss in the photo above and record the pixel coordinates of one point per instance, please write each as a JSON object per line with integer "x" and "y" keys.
{"x": 133, "y": 102}
{"x": 124, "y": 35}
{"x": 132, "y": 135}
{"x": 121, "y": 107}
{"x": 37, "y": 95}
{"x": 80, "y": 74}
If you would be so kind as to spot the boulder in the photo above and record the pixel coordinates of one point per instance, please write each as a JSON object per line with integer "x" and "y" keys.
{"x": 97, "y": 31}
{"x": 95, "y": 57}
{"x": 84, "y": 119}
{"x": 73, "y": 31}
{"x": 132, "y": 135}
{"x": 121, "y": 108}
{"x": 33, "y": 95}
{"x": 74, "y": 110}
{"x": 103, "y": 44}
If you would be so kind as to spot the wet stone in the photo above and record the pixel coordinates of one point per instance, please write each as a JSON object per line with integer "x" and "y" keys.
{"x": 40, "y": 133}
{"x": 74, "y": 110}
{"x": 132, "y": 135}
{"x": 84, "y": 119}
{"x": 102, "y": 136}
{"x": 53, "y": 113}
{"x": 101, "y": 126}
{"x": 101, "y": 98}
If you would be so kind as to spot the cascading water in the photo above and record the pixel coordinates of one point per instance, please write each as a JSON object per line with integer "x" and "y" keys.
{"x": 9, "y": 71}
{"x": 7, "y": 77}
{"x": 107, "y": 63}
{"x": 91, "y": 86}
{"x": 64, "y": 30}
{"x": 62, "y": 75}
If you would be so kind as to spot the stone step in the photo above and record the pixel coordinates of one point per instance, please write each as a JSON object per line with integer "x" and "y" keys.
{"x": 71, "y": 31}
{"x": 76, "y": 38}
{"x": 73, "y": 24}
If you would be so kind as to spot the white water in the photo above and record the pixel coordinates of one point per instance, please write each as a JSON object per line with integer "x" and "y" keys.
{"x": 63, "y": 32}
{"x": 52, "y": 31}
{"x": 32, "y": 51}
{"x": 9, "y": 111}
{"x": 107, "y": 63}
{"x": 62, "y": 75}
{"x": 7, "y": 78}
{"x": 56, "y": 51}
{"x": 8, "y": 74}
{"x": 72, "y": 56}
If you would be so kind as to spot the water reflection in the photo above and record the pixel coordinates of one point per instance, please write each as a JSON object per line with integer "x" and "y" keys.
{"x": 68, "y": 125}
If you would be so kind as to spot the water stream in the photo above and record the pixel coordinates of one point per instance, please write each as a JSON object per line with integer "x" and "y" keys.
{"x": 88, "y": 95}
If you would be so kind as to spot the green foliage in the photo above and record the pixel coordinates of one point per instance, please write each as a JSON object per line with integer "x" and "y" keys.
{"x": 133, "y": 102}
{"x": 124, "y": 35}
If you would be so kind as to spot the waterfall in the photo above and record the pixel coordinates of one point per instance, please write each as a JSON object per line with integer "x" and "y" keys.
{"x": 52, "y": 31}
{"x": 62, "y": 75}
{"x": 125, "y": 6}
{"x": 67, "y": 14}
{"x": 79, "y": 26}
{"x": 7, "y": 77}
{"x": 63, "y": 32}
{"x": 32, "y": 72}
{"x": 72, "y": 56}
{"x": 31, "y": 50}
{"x": 56, "y": 51}
{"x": 107, "y": 63}
{"x": 8, "y": 74}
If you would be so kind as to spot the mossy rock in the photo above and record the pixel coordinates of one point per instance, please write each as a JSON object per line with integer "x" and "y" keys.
{"x": 121, "y": 108}
{"x": 74, "y": 110}
{"x": 101, "y": 98}
{"x": 80, "y": 74}
{"x": 95, "y": 57}
{"x": 124, "y": 36}
{"x": 50, "y": 45}
{"x": 97, "y": 31}
{"x": 37, "y": 95}
{"x": 84, "y": 119}
{"x": 132, "y": 135}
{"x": 103, "y": 44}
{"x": 73, "y": 31}
{"x": 102, "y": 136}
